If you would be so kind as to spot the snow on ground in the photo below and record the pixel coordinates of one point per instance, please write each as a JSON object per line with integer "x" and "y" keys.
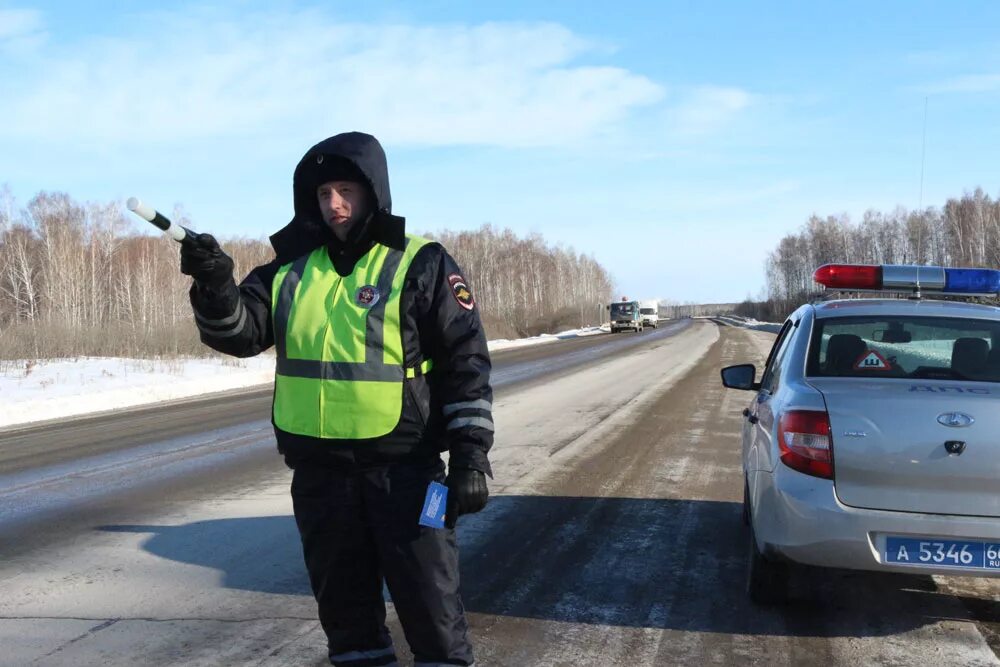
{"x": 504, "y": 344}
{"x": 32, "y": 391}
{"x": 38, "y": 391}
{"x": 748, "y": 323}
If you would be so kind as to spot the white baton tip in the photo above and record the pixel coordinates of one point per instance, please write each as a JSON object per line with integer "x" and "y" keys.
{"x": 177, "y": 232}
{"x": 140, "y": 209}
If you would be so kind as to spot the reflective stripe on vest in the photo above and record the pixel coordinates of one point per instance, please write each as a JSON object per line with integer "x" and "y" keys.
{"x": 339, "y": 343}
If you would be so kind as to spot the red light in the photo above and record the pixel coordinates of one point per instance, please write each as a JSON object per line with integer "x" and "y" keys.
{"x": 849, "y": 276}
{"x": 805, "y": 442}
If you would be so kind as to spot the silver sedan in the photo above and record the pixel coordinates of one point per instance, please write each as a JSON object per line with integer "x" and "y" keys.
{"x": 873, "y": 441}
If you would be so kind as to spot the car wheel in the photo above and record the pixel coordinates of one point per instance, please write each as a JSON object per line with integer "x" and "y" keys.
{"x": 746, "y": 503}
{"x": 767, "y": 580}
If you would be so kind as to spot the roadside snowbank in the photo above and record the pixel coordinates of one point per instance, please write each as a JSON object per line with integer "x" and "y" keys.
{"x": 31, "y": 392}
{"x": 504, "y": 344}
{"x": 748, "y": 323}
{"x": 52, "y": 389}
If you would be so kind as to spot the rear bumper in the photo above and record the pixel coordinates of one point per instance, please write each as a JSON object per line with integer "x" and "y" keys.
{"x": 799, "y": 518}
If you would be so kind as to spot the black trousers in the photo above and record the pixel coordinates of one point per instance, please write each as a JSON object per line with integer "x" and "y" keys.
{"x": 359, "y": 528}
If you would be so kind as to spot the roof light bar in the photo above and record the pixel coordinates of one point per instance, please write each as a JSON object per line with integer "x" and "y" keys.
{"x": 977, "y": 281}
{"x": 898, "y": 278}
{"x": 849, "y": 276}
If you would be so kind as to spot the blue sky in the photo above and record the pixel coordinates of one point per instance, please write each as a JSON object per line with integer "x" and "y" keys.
{"x": 675, "y": 141}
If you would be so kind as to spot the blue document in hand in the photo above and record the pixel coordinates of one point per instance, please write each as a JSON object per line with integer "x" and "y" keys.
{"x": 435, "y": 504}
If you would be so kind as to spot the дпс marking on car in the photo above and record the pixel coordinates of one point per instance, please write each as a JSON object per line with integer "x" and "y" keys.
{"x": 946, "y": 390}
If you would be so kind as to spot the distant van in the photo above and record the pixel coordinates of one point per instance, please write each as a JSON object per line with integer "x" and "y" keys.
{"x": 649, "y": 313}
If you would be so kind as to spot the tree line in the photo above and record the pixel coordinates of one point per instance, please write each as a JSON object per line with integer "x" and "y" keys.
{"x": 965, "y": 232}
{"x": 527, "y": 286}
{"x": 82, "y": 279}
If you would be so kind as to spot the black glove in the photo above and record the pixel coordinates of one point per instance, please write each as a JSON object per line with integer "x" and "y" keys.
{"x": 203, "y": 260}
{"x": 467, "y": 494}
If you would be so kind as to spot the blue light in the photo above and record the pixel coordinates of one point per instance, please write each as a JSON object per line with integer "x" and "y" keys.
{"x": 972, "y": 281}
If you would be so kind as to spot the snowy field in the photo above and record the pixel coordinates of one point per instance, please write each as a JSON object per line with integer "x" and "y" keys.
{"x": 31, "y": 392}
{"x": 747, "y": 323}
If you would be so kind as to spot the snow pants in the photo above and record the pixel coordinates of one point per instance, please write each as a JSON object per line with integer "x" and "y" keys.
{"x": 359, "y": 530}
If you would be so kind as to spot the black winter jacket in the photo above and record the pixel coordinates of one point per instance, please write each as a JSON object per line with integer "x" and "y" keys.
{"x": 449, "y": 408}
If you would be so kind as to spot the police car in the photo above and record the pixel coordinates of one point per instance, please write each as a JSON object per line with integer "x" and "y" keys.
{"x": 873, "y": 438}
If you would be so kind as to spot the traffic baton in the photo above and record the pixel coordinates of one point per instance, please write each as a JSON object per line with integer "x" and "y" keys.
{"x": 160, "y": 221}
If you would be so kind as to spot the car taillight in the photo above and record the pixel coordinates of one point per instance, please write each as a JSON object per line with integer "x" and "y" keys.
{"x": 805, "y": 442}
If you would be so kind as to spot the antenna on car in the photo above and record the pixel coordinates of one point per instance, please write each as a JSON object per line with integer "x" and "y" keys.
{"x": 923, "y": 156}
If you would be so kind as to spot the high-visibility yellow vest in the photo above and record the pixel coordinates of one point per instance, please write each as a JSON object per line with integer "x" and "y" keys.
{"x": 340, "y": 359}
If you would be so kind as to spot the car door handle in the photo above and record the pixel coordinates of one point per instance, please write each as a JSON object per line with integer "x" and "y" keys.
{"x": 750, "y": 418}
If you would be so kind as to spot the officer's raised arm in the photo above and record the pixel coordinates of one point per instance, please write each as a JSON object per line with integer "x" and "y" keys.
{"x": 230, "y": 319}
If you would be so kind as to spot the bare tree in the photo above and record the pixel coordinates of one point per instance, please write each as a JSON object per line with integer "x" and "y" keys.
{"x": 80, "y": 279}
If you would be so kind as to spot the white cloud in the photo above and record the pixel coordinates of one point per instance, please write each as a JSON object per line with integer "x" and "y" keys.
{"x": 969, "y": 83}
{"x": 21, "y": 32}
{"x": 934, "y": 57}
{"x": 211, "y": 75}
{"x": 708, "y": 108}
{"x": 16, "y": 23}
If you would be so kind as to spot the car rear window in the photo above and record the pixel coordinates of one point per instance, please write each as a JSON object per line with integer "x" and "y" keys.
{"x": 905, "y": 347}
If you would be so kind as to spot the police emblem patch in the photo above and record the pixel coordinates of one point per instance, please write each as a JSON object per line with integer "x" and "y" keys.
{"x": 461, "y": 291}
{"x": 366, "y": 296}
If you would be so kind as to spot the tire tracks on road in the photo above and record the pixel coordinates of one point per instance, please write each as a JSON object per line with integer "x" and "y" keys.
{"x": 632, "y": 551}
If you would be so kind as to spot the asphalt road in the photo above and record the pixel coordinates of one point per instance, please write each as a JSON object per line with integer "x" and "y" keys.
{"x": 613, "y": 536}
{"x": 33, "y": 446}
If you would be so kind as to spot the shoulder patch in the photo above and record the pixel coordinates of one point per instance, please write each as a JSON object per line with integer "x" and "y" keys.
{"x": 460, "y": 290}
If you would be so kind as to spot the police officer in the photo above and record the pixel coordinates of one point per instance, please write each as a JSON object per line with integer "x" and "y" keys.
{"x": 381, "y": 365}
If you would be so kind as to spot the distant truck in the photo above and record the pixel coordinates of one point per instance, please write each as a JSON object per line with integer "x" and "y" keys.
{"x": 649, "y": 313}
{"x": 625, "y": 315}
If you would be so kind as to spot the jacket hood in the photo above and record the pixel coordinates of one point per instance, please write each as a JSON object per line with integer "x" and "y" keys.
{"x": 363, "y": 156}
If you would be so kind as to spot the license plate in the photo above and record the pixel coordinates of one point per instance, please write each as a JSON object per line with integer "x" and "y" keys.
{"x": 945, "y": 553}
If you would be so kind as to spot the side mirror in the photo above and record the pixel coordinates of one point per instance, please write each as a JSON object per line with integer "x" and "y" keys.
{"x": 740, "y": 377}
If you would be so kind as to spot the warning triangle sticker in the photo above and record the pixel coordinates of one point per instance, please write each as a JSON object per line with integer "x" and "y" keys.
{"x": 871, "y": 361}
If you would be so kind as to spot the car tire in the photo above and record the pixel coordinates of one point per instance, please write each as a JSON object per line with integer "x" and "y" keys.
{"x": 746, "y": 502}
{"x": 767, "y": 580}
